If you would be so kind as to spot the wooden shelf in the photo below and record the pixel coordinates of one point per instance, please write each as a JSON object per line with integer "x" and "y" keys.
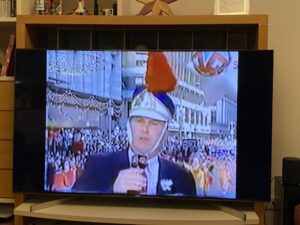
{"x": 8, "y": 19}
{"x": 7, "y": 78}
{"x": 91, "y": 211}
{"x": 7, "y": 200}
{"x": 142, "y": 20}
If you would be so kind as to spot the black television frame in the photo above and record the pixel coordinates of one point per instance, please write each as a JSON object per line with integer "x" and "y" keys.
{"x": 254, "y": 98}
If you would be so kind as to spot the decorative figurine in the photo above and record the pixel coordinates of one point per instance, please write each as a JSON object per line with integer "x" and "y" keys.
{"x": 80, "y": 8}
{"x": 158, "y": 7}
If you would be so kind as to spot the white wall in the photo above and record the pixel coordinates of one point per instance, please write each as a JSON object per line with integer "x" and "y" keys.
{"x": 284, "y": 38}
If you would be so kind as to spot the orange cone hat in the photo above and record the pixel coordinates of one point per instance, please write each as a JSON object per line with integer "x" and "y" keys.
{"x": 159, "y": 76}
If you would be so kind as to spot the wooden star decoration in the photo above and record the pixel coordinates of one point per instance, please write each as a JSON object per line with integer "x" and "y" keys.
{"x": 158, "y": 7}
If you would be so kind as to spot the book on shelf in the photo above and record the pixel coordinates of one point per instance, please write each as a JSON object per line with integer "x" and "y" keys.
{"x": 8, "y": 64}
{"x": 13, "y": 8}
{"x": 7, "y": 8}
{"x": 1, "y": 58}
{"x": 3, "y": 12}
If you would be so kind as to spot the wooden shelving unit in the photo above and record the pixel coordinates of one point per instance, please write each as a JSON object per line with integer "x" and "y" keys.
{"x": 251, "y": 29}
{"x": 219, "y": 32}
{"x": 7, "y": 27}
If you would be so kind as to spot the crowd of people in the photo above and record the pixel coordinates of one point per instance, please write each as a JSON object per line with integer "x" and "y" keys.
{"x": 68, "y": 149}
{"x": 211, "y": 160}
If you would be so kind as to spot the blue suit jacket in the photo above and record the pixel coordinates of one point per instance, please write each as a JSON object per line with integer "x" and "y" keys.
{"x": 102, "y": 170}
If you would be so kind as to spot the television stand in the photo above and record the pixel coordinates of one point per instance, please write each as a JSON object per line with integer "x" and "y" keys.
{"x": 95, "y": 211}
{"x": 241, "y": 214}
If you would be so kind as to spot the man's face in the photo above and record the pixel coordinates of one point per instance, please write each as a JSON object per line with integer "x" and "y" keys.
{"x": 145, "y": 133}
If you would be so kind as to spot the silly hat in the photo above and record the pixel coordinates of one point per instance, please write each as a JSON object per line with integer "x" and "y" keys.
{"x": 152, "y": 101}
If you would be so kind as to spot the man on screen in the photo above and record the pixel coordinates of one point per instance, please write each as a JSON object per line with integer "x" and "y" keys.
{"x": 140, "y": 170}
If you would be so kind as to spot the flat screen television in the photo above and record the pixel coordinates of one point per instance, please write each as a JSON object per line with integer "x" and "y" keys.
{"x": 144, "y": 124}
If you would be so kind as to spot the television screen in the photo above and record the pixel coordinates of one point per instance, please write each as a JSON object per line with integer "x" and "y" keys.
{"x": 178, "y": 124}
